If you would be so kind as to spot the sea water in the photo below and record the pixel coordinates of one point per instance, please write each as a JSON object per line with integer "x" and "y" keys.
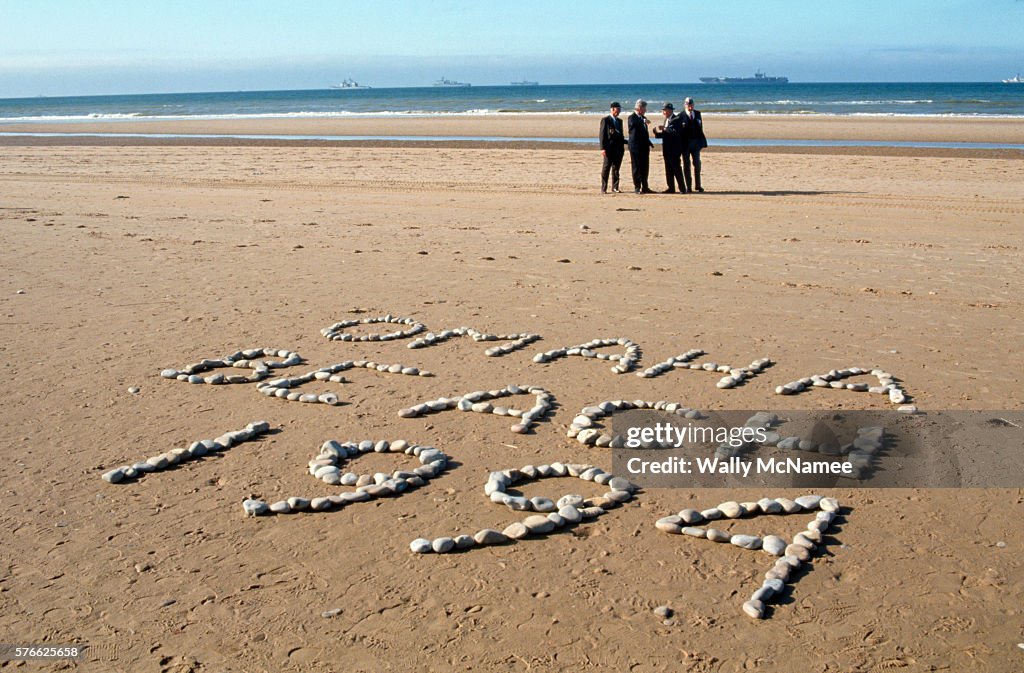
{"x": 978, "y": 99}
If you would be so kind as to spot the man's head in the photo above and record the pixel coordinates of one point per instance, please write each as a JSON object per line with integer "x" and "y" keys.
{"x": 641, "y": 106}
{"x": 688, "y": 103}
{"x": 615, "y": 108}
{"x": 667, "y": 110}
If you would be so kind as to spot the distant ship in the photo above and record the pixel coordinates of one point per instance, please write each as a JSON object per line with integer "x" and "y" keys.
{"x": 1014, "y": 80}
{"x": 525, "y": 82}
{"x": 349, "y": 84}
{"x": 450, "y": 82}
{"x": 758, "y": 78}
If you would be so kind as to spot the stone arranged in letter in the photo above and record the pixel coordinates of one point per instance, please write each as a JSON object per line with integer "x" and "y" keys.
{"x": 247, "y": 359}
{"x": 792, "y": 555}
{"x": 197, "y": 450}
{"x": 551, "y": 515}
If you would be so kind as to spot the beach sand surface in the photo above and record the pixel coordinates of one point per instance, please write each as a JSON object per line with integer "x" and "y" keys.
{"x": 123, "y": 260}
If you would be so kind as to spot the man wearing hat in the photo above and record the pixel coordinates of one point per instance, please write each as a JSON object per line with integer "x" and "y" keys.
{"x": 671, "y": 134}
{"x": 640, "y": 147}
{"x": 613, "y": 144}
{"x": 693, "y": 142}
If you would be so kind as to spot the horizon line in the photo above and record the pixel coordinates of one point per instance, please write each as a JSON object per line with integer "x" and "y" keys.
{"x": 481, "y": 86}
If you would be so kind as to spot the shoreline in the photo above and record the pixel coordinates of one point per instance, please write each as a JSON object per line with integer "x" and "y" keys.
{"x": 802, "y": 127}
{"x": 226, "y": 141}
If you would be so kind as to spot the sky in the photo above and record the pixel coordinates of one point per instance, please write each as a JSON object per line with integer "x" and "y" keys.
{"x": 69, "y": 47}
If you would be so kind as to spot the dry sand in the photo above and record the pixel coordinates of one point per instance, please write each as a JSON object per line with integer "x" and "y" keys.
{"x": 133, "y": 259}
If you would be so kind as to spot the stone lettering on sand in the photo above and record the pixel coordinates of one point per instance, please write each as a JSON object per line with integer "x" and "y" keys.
{"x": 478, "y": 401}
{"x": 550, "y": 516}
{"x": 799, "y": 551}
{"x": 253, "y": 358}
{"x": 888, "y": 384}
{"x": 582, "y": 426}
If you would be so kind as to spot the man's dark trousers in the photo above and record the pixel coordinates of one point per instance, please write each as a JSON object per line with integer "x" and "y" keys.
{"x": 691, "y": 153}
{"x": 641, "y": 160}
{"x": 612, "y": 163}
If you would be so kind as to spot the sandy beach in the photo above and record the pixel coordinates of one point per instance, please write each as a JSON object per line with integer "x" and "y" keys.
{"x": 765, "y": 127}
{"x": 124, "y": 258}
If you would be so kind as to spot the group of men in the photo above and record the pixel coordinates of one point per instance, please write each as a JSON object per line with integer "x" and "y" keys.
{"x": 682, "y": 139}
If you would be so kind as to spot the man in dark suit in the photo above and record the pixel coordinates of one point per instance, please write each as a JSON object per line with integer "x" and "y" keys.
{"x": 640, "y": 147}
{"x": 671, "y": 134}
{"x": 613, "y": 144}
{"x": 693, "y": 142}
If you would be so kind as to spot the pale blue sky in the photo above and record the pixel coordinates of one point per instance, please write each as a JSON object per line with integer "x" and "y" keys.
{"x": 56, "y": 47}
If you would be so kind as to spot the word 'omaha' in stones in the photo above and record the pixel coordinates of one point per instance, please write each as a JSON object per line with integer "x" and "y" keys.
{"x": 624, "y": 361}
{"x": 478, "y": 401}
{"x": 551, "y": 515}
{"x": 887, "y": 383}
{"x": 197, "y": 450}
{"x": 582, "y": 426}
{"x": 514, "y": 341}
{"x": 252, "y": 358}
{"x": 792, "y": 554}
{"x": 326, "y": 467}
{"x": 335, "y": 333}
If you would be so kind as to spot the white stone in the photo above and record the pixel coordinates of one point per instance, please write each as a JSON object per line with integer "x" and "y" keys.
{"x": 570, "y": 513}
{"x": 443, "y": 545}
{"x": 829, "y": 505}
{"x": 773, "y": 544}
{"x": 254, "y": 507}
{"x": 809, "y": 501}
{"x": 420, "y": 545}
{"x": 691, "y": 516}
{"x": 489, "y": 536}
{"x": 746, "y": 541}
{"x": 754, "y": 608}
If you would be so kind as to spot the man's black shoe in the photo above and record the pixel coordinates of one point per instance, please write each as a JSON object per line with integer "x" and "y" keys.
{"x": 669, "y": 191}
{"x": 700, "y": 189}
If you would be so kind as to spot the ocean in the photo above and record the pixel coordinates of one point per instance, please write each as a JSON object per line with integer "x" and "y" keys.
{"x": 972, "y": 99}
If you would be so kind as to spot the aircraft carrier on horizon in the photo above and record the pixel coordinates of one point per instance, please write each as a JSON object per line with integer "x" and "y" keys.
{"x": 758, "y": 78}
